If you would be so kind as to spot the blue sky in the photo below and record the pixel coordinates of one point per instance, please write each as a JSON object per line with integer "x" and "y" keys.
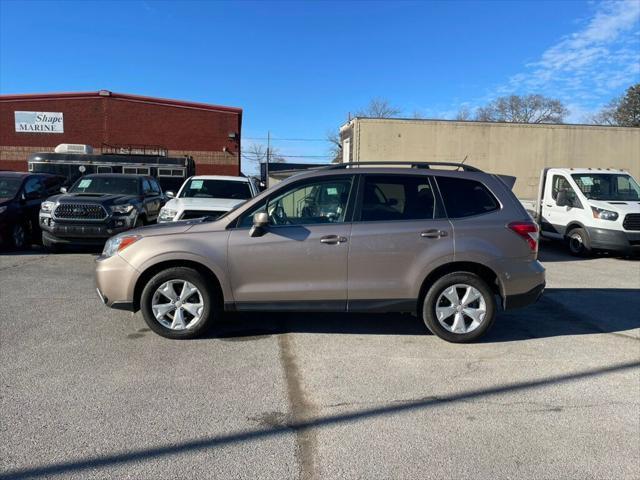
{"x": 298, "y": 68}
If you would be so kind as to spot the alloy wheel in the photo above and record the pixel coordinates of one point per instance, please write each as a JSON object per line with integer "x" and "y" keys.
{"x": 461, "y": 308}
{"x": 177, "y": 305}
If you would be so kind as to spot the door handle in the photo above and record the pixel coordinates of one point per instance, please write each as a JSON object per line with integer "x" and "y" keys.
{"x": 333, "y": 239}
{"x": 433, "y": 233}
{"x": 547, "y": 205}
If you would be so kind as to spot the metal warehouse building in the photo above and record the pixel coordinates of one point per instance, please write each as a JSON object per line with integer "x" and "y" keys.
{"x": 103, "y": 119}
{"x": 521, "y": 150}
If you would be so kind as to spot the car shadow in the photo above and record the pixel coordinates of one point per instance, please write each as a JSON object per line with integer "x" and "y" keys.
{"x": 40, "y": 250}
{"x": 559, "y": 312}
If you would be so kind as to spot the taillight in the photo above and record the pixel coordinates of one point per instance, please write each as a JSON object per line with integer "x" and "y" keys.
{"x": 528, "y": 231}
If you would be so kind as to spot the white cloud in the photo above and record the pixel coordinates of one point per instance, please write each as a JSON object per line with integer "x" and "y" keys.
{"x": 585, "y": 69}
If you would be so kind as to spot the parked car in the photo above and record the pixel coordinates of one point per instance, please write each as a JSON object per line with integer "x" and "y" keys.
{"x": 590, "y": 209}
{"x": 207, "y": 196}
{"x": 99, "y": 206}
{"x": 441, "y": 243}
{"x": 21, "y": 194}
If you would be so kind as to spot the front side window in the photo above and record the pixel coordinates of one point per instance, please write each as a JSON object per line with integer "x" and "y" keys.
{"x": 398, "y": 197}
{"x": 105, "y": 184}
{"x": 33, "y": 186}
{"x": 204, "y": 188}
{"x": 561, "y": 184}
{"x": 311, "y": 203}
{"x": 465, "y": 198}
{"x": 607, "y": 186}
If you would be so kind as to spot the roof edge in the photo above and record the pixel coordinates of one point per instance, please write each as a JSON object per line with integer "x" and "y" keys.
{"x": 122, "y": 96}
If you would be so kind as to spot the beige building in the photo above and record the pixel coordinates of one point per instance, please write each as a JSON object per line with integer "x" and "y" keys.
{"x": 521, "y": 150}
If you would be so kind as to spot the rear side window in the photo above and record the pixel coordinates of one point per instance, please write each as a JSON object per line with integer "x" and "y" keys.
{"x": 465, "y": 198}
{"x": 398, "y": 197}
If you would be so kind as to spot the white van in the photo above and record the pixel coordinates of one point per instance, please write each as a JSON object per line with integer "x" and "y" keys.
{"x": 591, "y": 209}
{"x": 207, "y": 196}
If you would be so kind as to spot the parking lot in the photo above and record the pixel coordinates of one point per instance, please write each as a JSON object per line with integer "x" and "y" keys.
{"x": 552, "y": 391}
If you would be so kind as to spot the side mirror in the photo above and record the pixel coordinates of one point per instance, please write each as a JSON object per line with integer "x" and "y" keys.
{"x": 170, "y": 194}
{"x": 260, "y": 220}
{"x": 63, "y": 189}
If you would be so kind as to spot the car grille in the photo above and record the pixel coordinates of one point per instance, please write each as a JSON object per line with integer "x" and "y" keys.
{"x": 189, "y": 214}
{"x": 80, "y": 211}
{"x": 632, "y": 221}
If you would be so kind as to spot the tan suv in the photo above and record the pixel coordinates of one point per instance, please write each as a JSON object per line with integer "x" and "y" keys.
{"x": 437, "y": 242}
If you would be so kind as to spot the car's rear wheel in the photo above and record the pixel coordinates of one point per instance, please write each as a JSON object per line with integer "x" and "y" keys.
{"x": 459, "y": 307}
{"x": 177, "y": 303}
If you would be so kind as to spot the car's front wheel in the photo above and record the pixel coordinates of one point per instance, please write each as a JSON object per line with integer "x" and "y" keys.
{"x": 177, "y": 303}
{"x": 19, "y": 237}
{"x": 459, "y": 307}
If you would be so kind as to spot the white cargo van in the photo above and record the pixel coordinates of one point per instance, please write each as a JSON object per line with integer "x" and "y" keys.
{"x": 590, "y": 209}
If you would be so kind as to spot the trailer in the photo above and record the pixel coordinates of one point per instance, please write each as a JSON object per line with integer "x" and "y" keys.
{"x": 74, "y": 161}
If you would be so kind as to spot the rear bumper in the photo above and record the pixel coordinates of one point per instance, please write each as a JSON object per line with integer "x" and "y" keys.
{"x": 523, "y": 299}
{"x": 614, "y": 240}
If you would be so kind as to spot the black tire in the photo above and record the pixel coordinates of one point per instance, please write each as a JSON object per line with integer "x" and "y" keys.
{"x": 140, "y": 222}
{"x": 209, "y": 300}
{"x": 20, "y": 237}
{"x": 439, "y": 287}
{"x": 578, "y": 242}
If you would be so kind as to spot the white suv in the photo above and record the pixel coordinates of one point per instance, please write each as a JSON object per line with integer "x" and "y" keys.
{"x": 207, "y": 196}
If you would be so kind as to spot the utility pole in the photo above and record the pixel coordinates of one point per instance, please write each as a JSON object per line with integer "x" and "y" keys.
{"x": 266, "y": 180}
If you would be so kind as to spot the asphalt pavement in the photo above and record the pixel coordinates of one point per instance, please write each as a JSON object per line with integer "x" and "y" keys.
{"x": 552, "y": 391}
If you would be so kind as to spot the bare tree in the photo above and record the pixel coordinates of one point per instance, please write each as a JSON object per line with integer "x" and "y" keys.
{"x": 523, "y": 109}
{"x": 464, "y": 113}
{"x": 257, "y": 153}
{"x": 379, "y": 108}
{"x": 335, "y": 145}
{"x": 623, "y": 111}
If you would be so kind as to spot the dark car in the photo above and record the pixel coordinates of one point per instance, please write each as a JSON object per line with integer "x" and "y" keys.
{"x": 21, "y": 194}
{"x": 99, "y": 206}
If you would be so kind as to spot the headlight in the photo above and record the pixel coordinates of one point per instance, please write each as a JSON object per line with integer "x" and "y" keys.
{"x": 118, "y": 243}
{"x": 166, "y": 215}
{"x": 47, "y": 207}
{"x": 122, "y": 209}
{"x": 603, "y": 214}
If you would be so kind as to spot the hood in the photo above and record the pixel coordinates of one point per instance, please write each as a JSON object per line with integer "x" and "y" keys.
{"x": 169, "y": 228}
{"x": 619, "y": 206}
{"x": 105, "y": 199}
{"x": 183, "y": 203}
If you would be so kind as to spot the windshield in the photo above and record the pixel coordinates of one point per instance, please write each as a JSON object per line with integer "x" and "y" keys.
{"x": 202, "y": 188}
{"x": 607, "y": 186}
{"x": 9, "y": 186}
{"x": 106, "y": 184}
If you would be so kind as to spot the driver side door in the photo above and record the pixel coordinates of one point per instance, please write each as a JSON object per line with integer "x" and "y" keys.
{"x": 300, "y": 260}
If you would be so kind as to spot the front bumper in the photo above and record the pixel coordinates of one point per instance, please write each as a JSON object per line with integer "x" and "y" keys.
{"x": 115, "y": 282}
{"x": 83, "y": 233}
{"x": 615, "y": 240}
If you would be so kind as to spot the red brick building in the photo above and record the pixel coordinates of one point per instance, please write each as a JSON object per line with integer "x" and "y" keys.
{"x": 208, "y": 133}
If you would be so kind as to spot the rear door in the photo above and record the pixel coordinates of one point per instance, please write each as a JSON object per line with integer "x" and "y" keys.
{"x": 399, "y": 232}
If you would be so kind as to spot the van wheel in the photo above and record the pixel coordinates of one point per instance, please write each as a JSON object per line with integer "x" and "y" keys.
{"x": 177, "y": 303}
{"x": 460, "y": 307}
{"x": 578, "y": 242}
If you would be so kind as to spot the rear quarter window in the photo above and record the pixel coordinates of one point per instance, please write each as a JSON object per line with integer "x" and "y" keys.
{"x": 465, "y": 198}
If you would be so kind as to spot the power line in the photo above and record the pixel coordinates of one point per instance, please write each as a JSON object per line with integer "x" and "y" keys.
{"x": 289, "y": 139}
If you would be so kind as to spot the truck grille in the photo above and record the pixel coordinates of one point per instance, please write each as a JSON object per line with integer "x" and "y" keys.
{"x": 80, "y": 211}
{"x": 632, "y": 221}
{"x": 189, "y": 214}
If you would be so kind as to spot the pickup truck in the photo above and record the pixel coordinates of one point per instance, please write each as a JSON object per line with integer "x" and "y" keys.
{"x": 590, "y": 209}
{"x": 207, "y": 196}
{"x": 97, "y": 207}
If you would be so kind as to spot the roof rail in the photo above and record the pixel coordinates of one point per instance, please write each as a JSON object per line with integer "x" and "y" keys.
{"x": 383, "y": 164}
